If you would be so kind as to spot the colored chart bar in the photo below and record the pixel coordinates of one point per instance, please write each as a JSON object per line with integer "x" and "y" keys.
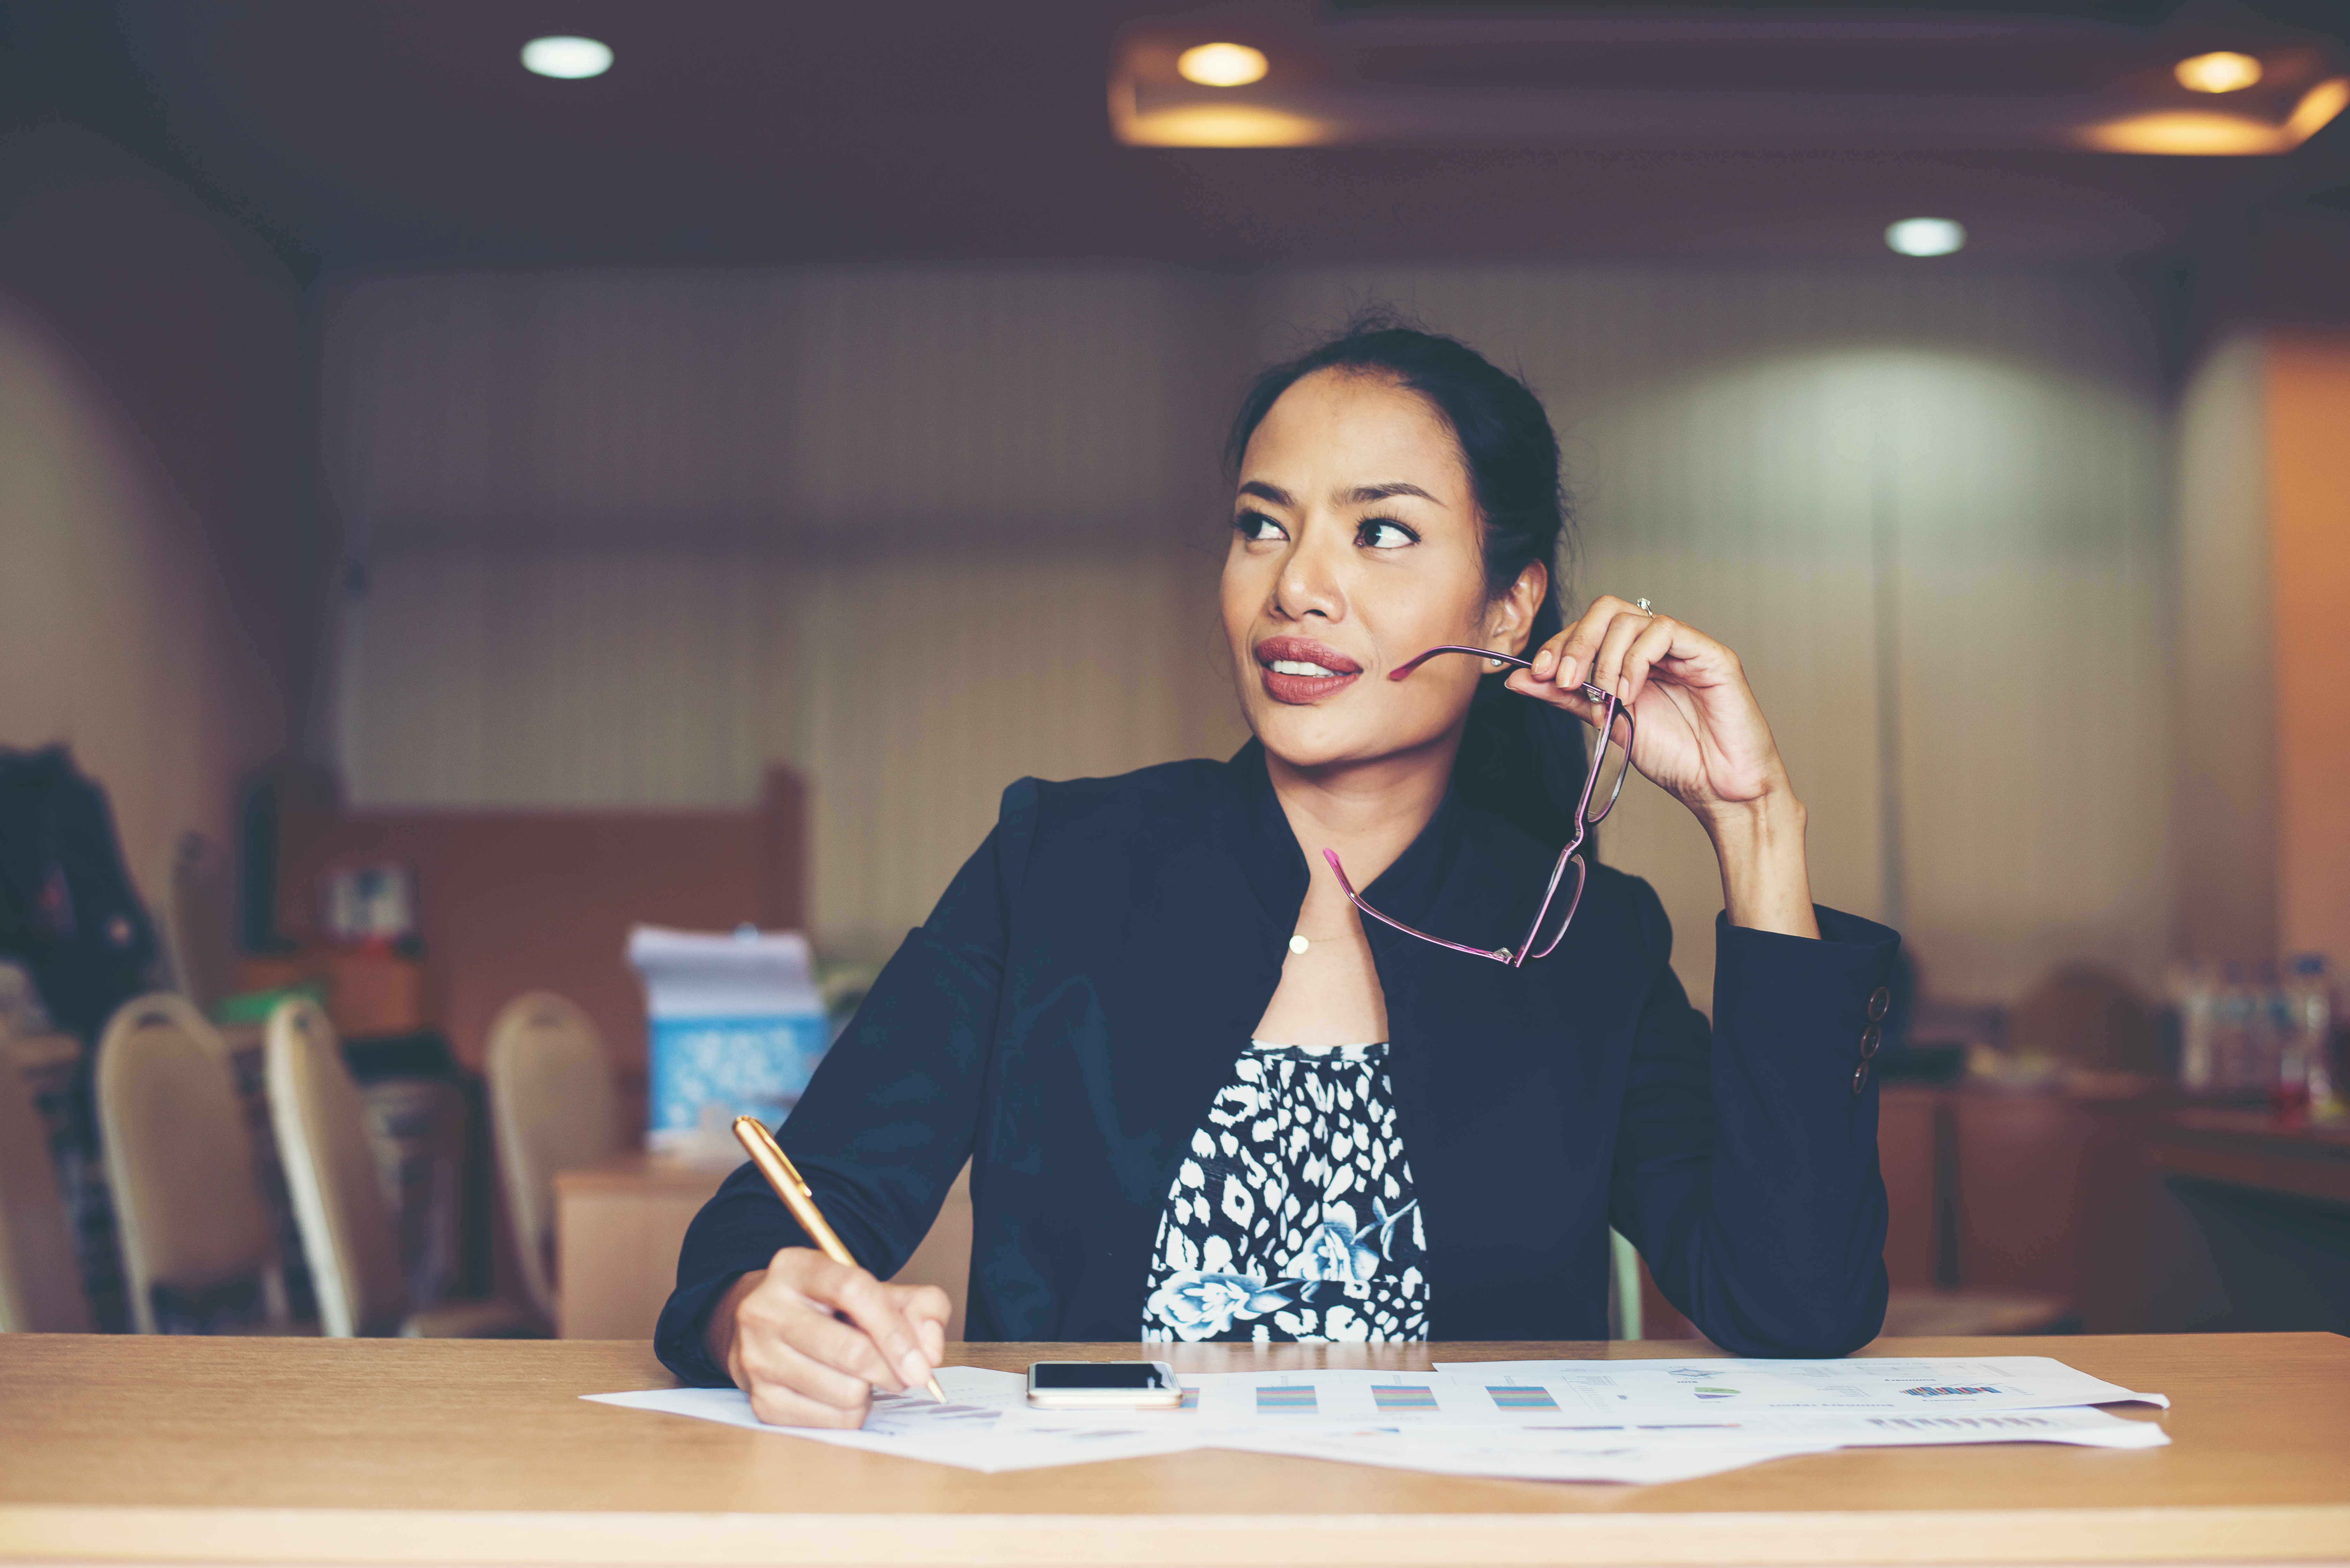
{"x": 1960, "y": 1390}
{"x": 1285, "y": 1401}
{"x": 1417, "y": 1397}
{"x": 1523, "y": 1398}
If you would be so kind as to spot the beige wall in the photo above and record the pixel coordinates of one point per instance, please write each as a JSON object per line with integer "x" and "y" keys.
{"x": 150, "y": 369}
{"x": 2308, "y": 428}
{"x": 625, "y": 535}
{"x": 2226, "y": 745}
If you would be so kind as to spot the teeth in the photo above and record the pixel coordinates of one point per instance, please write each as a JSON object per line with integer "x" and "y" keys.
{"x": 1292, "y": 667}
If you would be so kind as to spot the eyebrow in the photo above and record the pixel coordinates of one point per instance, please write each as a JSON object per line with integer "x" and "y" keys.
{"x": 1365, "y": 494}
{"x": 1361, "y": 496}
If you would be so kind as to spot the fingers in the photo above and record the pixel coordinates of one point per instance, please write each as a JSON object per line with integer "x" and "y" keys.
{"x": 927, "y": 1309}
{"x": 873, "y": 1308}
{"x": 789, "y": 1390}
{"x": 816, "y": 1337}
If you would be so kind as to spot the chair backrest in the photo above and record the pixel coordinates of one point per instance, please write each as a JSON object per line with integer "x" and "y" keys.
{"x": 187, "y": 1187}
{"x": 199, "y": 919}
{"x": 349, "y": 1237}
{"x": 552, "y": 1106}
{"x": 40, "y": 1274}
{"x": 2089, "y": 1015}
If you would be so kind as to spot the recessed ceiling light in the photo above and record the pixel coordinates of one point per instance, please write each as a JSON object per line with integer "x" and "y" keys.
{"x": 2219, "y": 71}
{"x": 1926, "y": 237}
{"x": 1222, "y": 65}
{"x": 570, "y": 58}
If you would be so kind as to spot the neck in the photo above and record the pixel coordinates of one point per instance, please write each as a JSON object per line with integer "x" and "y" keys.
{"x": 1369, "y": 812}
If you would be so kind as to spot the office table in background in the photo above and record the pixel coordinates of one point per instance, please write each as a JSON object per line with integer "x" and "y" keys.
{"x": 2247, "y": 1224}
{"x": 419, "y": 1451}
{"x": 618, "y": 1226}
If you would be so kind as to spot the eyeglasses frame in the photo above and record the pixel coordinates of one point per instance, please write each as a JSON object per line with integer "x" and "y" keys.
{"x": 1515, "y": 958}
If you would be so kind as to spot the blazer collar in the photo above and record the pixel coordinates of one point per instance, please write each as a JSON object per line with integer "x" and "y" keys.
{"x": 1275, "y": 867}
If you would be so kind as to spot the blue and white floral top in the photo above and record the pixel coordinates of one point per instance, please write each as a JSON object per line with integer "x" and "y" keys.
{"x": 1293, "y": 1218}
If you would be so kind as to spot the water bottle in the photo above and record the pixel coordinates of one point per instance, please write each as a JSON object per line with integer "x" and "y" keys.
{"x": 2305, "y": 1014}
{"x": 2190, "y": 995}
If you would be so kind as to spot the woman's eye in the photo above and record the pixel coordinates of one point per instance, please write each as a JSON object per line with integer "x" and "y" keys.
{"x": 1257, "y": 526}
{"x": 1383, "y": 535}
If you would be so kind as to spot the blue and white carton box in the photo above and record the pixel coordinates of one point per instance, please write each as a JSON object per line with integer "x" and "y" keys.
{"x": 735, "y": 1026}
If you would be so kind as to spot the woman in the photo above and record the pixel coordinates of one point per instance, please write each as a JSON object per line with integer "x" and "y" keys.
{"x": 1206, "y": 1093}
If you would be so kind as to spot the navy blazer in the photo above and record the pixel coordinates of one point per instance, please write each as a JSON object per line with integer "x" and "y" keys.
{"x": 1083, "y": 988}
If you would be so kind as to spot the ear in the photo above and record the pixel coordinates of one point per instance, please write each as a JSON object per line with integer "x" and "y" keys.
{"x": 1510, "y": 619}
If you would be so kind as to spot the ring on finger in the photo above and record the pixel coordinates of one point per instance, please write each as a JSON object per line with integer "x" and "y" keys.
{"x": 1642, "y": 606}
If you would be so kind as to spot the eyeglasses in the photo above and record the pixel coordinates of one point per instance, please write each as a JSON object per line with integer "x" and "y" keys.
{"x": 1550, "y": 921}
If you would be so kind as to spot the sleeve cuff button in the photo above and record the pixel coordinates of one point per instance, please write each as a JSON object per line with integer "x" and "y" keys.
{"x": 1880, "y": 1002}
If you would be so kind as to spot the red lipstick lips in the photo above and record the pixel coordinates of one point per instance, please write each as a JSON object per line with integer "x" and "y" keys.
{"x": 1298, "y": 670}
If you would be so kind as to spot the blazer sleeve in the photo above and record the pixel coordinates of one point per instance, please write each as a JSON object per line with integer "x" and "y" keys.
{"x": 888, "y": 1117}
{"x": 1746, "y": 1166}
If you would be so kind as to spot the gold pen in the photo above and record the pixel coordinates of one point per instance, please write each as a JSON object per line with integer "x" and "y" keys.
{"x": 800, "y": 1199}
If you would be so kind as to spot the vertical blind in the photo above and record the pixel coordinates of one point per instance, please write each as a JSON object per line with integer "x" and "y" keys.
{"x": 617, "y": 538}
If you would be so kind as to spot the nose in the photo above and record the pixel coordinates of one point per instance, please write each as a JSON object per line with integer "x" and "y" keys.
{"x": 1307, "y": 585}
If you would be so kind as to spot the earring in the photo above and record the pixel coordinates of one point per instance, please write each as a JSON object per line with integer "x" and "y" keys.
{"x": 1498, "y": 663}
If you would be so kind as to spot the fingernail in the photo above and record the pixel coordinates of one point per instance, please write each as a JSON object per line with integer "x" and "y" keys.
{"x": 1543, "y": 662}
{"x": 1623, "y": 689}
{"x": 917, "y": 1370}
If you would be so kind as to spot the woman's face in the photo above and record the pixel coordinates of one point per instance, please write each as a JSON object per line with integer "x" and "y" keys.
{"x": 1356, "y": 547}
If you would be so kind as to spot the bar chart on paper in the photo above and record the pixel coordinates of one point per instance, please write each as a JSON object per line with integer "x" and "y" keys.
{"x": 1409, "y": 1397}
{"x": 1508, "y": 1399}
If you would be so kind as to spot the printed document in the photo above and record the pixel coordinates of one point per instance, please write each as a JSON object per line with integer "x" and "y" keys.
{"x": 1627, "y": 1421}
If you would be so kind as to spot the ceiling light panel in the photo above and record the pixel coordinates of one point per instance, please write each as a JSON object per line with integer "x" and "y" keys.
{"x": 1926, "y": 237}
{"x": 567, "y": 58}
{"x": 2219, "y": 71}
{"x": 1222, "y": 65}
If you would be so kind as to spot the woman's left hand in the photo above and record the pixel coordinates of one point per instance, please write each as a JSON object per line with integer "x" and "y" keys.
{"x": 1698, "y": 733}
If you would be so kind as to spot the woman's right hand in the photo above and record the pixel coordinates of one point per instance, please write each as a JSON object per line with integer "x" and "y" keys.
{"x": 809, "y": 1339}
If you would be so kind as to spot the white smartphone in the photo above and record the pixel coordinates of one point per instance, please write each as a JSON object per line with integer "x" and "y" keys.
{"x": 1103, "y": 1385}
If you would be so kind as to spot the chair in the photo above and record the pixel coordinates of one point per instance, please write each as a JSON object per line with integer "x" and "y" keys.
{"x": 187, "y": 1191}
{"x": 349, "y": 1236}
{"x": 40, "y": 1274}
{"x": 552, "y": 1107}
{"x": 2090, "y": 1016}
{"x": 200, "y": 920}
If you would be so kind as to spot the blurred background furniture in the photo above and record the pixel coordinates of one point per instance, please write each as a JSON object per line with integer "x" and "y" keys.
{"x": 188, "y": 1201}
{"x": 40, "y": 1274}
{"x": 552, "y": 1107}
{"x": 2090, "y": 1018}
{"x": 515, "y": 901}
{"x": 618, "y": 1225}
{"x": 2250, "y": 1224}
{"x": 353, "y": 1248}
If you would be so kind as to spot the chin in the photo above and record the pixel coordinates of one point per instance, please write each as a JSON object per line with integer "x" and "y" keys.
{"x": 1312, "y": 738}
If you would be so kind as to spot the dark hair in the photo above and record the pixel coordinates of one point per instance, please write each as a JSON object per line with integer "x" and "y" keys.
{"x": 1522, "y": 759}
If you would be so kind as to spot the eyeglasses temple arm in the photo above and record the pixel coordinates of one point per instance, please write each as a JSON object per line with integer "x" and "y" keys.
{"x": 1356, "y": 900}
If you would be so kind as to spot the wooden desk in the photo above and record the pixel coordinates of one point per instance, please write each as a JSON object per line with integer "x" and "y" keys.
{"x": 2248, "y": 1149}
{"x": 618, "y": 1226}
{"x": 419, "y": 1451}
{"x": 2247, "y": 1224}
{"x": 616, "y": 1230}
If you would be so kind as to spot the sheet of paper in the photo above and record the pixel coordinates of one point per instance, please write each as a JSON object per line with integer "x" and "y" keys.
{"x": 966, "y": 1431}
{"x": 1520, "y": 1454}
{"x": 1639, "y": 1422}
{"x": 1653, "y": 1390}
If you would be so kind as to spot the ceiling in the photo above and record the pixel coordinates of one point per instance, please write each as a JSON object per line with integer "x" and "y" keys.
{"x": 390, "y": 132}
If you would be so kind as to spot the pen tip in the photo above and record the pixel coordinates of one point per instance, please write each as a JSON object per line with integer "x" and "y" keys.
{"x": 937, "y": 1393}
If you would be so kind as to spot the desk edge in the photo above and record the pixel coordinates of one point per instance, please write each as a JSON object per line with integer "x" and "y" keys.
{"x": 43, "y": 1533}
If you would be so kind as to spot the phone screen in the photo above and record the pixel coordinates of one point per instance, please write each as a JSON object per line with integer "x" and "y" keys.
{"x": 1135, "y": 1375}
